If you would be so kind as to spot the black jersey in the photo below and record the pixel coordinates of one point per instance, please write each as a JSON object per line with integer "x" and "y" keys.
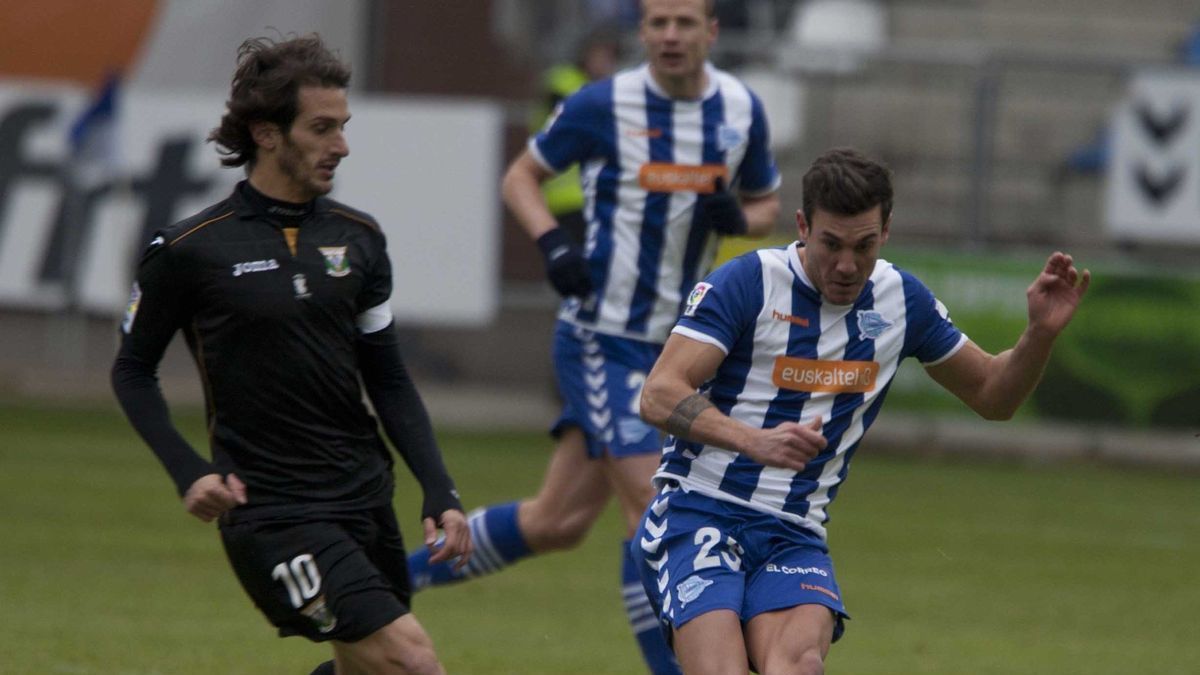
{"x": 269, "y": 302}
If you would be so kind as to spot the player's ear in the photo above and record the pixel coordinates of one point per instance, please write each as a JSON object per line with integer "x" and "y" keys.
{"x": 801, "y": 224}
{"x": 265, "y": 134}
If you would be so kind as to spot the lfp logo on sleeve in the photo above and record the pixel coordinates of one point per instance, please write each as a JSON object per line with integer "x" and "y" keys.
{"x": 694, "y": 298}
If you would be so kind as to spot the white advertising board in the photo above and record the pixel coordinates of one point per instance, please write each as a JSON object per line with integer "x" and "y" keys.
{"x": 1154, "y": 176}
{"x": 428, "y": 170}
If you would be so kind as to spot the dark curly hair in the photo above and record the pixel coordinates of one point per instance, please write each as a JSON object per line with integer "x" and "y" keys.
{"x": 265, "y": 86}
{"x": 845, "y": 182}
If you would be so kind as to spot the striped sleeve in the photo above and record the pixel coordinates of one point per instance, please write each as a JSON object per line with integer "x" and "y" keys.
{"x": 726, "y": 304}
{"x": 572, "y": 134}
{"x": 758, "y": 173}
{"x": 930, "y": 334}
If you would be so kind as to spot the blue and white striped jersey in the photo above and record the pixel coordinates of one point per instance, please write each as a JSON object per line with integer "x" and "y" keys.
{"x": 643, "y": 158}
{"x": 792, "y": 357}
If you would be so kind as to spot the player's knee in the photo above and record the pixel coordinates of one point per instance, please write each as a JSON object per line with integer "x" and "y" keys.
{"x": 419, "y": 662}
{"x": 411, "y": 660}
{"x": 796, "y": 662}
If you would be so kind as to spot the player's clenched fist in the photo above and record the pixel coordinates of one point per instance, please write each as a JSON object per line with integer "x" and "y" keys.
{"x": 211, "y": 495}
{"x": 788, "y": 446}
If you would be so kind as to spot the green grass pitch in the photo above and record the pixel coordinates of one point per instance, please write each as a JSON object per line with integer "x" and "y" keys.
{"x": 946, "y": 567}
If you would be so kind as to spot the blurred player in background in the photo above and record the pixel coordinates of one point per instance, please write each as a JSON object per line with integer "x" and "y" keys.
{"x": 776, "y": 369}
{"x": 282, "y": 295}
{"x": 672, "y": 154}
{"x": 597, "y": 59}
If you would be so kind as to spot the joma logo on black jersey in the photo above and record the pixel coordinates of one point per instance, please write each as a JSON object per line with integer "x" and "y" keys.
{"x": 255, "y": 266}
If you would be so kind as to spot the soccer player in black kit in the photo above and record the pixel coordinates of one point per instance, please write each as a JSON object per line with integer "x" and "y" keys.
{"x": 282, "y": 296}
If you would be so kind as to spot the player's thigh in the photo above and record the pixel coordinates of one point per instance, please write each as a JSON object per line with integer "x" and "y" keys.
{"x": 793, "y": 640}
{"x": 319, "y": 579}
{"x": 711, "y": 644}
{"x": 573, "y": 494}
{"x": 401, "y": 646}
{"x": 630, "y": 477}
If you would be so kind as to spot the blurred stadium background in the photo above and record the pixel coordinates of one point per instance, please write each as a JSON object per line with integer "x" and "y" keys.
{"x": 1014, "y": 127}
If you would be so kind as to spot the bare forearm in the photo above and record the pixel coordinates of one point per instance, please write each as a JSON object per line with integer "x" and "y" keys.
{"x": 682, "y": 412}
{"x": 522, "y": 194}
{"x": 762, "y": 214}
{"x": 1013, "y": 375}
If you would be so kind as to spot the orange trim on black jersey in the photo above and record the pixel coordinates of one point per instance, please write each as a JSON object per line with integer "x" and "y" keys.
{"x": 210, "y": 405}
{"x": 290, "y": 234}
{"x": 360, "y": 219}
{"x": 205, "y": 223}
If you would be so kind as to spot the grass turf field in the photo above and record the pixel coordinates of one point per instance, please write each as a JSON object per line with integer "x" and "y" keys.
{"x": 946, "y": 567}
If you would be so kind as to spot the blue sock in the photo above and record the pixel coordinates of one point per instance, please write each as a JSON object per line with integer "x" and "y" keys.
{"x": 646, "y": 627}
{"x": 498, "y": 544}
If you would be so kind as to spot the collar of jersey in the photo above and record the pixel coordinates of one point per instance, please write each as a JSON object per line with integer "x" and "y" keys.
{"x": 711, "y": 89}
{"x": 246, "y": 208}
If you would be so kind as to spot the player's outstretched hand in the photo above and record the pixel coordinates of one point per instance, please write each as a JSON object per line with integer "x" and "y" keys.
{"x": 211, "y": 495}
{"x": 721, "y": 211}
{"x": 455, "y": 542}
{"x": 789, "y": 445}
{"x": 1055, "y": 294}
{"x": 565, "y": 265}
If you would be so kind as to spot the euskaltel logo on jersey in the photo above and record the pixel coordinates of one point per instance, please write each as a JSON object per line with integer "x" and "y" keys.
{"x": 667, "y": 177}
{"x": 812, "y": 375}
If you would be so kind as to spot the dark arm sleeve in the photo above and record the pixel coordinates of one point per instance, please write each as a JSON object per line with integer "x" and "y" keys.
{"x": 156, "y": 310}
{"x": 404, "y": 419}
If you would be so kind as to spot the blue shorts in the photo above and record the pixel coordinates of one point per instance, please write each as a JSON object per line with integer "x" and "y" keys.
{"x": 697, "y": 554}
{"x": 600, "y": 378}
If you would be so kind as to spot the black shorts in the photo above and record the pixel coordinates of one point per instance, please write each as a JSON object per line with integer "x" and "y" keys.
{"x": 340, "y": 577}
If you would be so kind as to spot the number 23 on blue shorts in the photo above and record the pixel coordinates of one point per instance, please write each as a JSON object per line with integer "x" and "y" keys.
{"x": 697, "y": 554}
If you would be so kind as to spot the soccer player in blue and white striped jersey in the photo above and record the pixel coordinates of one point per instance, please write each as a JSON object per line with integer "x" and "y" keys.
{"x": 778, "y": 366}
{"x": 672, "y": 153}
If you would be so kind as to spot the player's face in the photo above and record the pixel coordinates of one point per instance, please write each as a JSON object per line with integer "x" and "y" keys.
{"x": 677, "y": 35}
{"x": 309, "y": 153}
{"x": 839, "y": 251}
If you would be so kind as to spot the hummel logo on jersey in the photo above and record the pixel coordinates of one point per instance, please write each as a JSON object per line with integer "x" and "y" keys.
{"x": 871, "y": 324}
{"x": 255, "y": 266}
{"x": 651, "y": 132}
{"x": 798, "y": 320}
{"x": 819, "y": 589}
{"x": 690, "y": 589}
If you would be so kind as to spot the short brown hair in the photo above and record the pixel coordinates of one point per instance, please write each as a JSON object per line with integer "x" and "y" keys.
{"x": 710, "y": 8}
{"x": 845, "y": 182}
{"x": 265, "y": 86}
